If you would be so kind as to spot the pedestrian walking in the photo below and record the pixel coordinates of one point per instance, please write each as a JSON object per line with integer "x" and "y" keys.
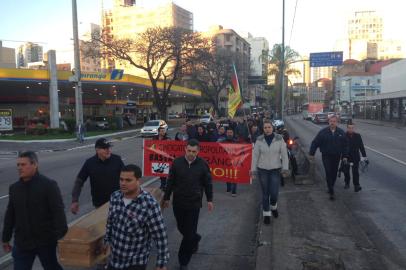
{"x": 333, "y": 146}
{"x": 221, "y": 134}
{"x": 81, "y": 132}
{"x": 103, "y": 169}
{"x": 201, "y": 134}
{"x": 356, "y": 146}
{"x": 230, "y": 138}
{"x": 254, "y": 133}
{"x": 269, "y": 161}
{"x": 191, "y": 129}
{"x": 35, "y": 215}
{"x": 134, "y": 221}
{"x": 162, "y": 136}
{"x": 182, "y": 135}
{"x": 188, "y": 177}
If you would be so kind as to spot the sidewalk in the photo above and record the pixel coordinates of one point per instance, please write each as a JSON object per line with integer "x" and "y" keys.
{"x": 313, "y": 233}
{"x": 380, "y": 123}
{"x": 60, "y": 145}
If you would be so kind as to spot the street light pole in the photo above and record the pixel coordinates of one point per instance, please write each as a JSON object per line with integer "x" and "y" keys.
{"x": 78, "y": 83}
{"x": 283, "y": 61}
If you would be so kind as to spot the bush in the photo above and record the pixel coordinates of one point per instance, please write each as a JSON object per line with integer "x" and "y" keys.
{"x": 38, "y": 129}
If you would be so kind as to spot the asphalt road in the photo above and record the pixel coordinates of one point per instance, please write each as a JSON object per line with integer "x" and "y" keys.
{"x": 380, "y": 208}
{"x": 229, "y": 233}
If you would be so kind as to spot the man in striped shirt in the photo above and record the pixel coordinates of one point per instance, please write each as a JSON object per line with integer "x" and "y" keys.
{"x": 134, "y": 220}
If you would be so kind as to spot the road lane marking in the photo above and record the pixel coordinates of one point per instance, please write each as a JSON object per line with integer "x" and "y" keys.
{"x": 386, "y": 155}
{"x": 374, "y": 150}
{"x": 6, "y": 258}
{"x": 3, "y": 197}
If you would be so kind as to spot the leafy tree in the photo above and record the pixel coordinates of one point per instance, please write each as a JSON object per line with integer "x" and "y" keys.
{"x": 275, "y": 69}
{"x": 163, "y": 53}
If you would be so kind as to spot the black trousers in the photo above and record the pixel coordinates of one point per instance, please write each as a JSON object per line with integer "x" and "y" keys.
{"x": 330, "y": 163}
{"x": 186, "y": 220}
{"x": 355, "y": 174}
{"x": 24, "y": 259}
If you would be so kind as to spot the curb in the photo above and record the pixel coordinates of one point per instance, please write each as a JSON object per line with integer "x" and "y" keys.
{"x": 74, "y": 139}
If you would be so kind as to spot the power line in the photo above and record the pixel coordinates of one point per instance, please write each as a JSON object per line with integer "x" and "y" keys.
{"x": 9, "y": 40}
{"x": 293, "y": 23}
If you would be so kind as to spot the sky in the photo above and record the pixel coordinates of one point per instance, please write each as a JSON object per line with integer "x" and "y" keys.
{"x": 317, "y": 27}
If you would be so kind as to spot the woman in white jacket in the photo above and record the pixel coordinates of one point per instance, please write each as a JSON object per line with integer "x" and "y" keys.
{"x": 269, "y": 160}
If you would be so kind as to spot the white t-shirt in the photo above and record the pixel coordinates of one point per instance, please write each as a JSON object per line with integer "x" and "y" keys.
{"x": 127, "y": 201}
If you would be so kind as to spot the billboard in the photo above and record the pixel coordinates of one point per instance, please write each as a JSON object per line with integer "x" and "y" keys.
{"x": 6, "y": 119}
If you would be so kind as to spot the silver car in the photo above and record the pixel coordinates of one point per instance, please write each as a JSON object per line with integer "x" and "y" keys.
{"x": 150, "y": 128}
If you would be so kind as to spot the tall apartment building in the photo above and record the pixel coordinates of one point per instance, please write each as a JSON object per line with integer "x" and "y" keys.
{"x": 303, "y": 66}
{"x": 322, "y": 73}
{"x": 258, "y": 74}
{"x": 88, "y": 64}
{"x": 259, "y": 55}
{"x": 126, "y": 20}
{"x": 366, "y": 39}
{"x": 7, "y": 57}
{"x": 229, "y": 40}
{"x": 28, "y": 53}
{"x": 366, "y": 25}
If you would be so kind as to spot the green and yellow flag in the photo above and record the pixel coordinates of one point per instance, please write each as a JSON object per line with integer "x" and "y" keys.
{"x": 234, "y": 94}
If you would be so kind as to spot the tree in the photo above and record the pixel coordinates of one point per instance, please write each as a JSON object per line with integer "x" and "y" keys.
{"x": 163, "y": 53}
{"x": 291, "y": 56}
{"x": 213, "y": 74}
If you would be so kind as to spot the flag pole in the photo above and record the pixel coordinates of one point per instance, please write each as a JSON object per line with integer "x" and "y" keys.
{"x": 242, "y": 102}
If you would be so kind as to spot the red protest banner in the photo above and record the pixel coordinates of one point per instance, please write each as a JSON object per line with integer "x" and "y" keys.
{"x": 228, "y": 162}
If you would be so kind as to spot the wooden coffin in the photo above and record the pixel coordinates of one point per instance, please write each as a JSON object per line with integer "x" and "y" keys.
{"x": 82, "y": 244}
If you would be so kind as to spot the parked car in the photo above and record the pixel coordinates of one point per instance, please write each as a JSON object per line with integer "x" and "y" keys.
{"x": 99, "y": 122}
{"x": 173, "y": 116}
{"x": 320, "y": 118}
{"x": 205, "y": 119}
{"x": 150, "y": 128}
{"x": 345, "y": 118}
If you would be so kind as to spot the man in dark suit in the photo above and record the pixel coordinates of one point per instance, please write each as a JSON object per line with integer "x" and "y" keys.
{"x": 333, "y": 146}
{"x": 355, "y": 147}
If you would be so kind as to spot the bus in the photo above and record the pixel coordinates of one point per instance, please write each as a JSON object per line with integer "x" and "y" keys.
{"x": 309, "y": 109}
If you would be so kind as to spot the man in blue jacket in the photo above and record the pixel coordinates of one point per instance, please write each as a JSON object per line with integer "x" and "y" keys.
{"x": 333, "y": 145}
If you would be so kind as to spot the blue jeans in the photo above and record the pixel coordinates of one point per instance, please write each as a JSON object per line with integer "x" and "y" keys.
{"x": 270, "y": 181}
{"x": 24, "y": 259}
{"x": 232, "y": 187}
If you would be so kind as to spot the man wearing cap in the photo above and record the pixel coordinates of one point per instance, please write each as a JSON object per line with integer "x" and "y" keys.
{"x": 103, "y": 169}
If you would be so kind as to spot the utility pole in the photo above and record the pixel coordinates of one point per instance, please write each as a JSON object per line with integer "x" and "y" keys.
{"x": 282, "y": 71}
{"x": 77, "y": 76}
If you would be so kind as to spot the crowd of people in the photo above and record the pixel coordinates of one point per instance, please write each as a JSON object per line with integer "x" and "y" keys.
{"x": 35, "y": 213}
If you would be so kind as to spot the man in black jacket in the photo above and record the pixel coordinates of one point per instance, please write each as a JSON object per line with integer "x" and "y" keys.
{"x": 188, "y": 177}
{"x": 333, "y": 147}
{"x": 35, "y": 213}
{"x": 103, "y": 169}
{"x": 356, "y": 146}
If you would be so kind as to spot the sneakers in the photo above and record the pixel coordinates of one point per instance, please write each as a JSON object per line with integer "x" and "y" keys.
{"x": 275, "y": 213}
{"x": 347, "y": 186}
{"x": 267, "y": 220}
{"x": 357, "y": 188}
